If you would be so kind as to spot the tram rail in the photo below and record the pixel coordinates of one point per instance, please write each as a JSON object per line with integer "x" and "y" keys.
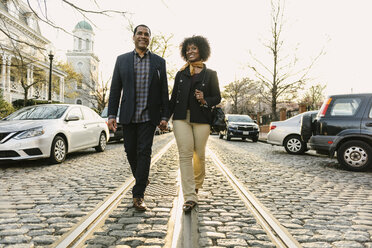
{"x": 182, "y": 228}
{"x": 276, "y": 232}
{"x": 77, "y": 236}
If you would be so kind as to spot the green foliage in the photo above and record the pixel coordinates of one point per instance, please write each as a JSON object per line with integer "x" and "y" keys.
{"x": 5, "y": 107}
{"x": 72, "y": 80}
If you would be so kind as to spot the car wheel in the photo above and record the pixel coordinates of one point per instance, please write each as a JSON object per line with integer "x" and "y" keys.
{"x": 294, "y": 145}
{"x": 58, "y": 151}
{"x": 220, "y": 136}
{"x": 306, "y": 127}
{"x": 255, "y": 139}
{"x": 228, "y": 137}
{"x": 355, "y": 155}
{"x": 102, "y": 143}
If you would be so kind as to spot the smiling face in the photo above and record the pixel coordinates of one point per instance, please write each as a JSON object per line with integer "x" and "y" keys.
{"x": 141, "y": 38}
{"x": 192, "y": 53}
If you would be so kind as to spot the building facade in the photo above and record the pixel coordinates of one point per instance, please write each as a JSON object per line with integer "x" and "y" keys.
{"x": 24, "y": 60}
{"x": 85, "y": 62}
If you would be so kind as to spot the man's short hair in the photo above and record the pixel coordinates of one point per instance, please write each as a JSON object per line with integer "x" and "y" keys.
{"x": 141, "y": 25}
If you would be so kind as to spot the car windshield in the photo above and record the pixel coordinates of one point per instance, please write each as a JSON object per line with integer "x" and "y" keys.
{"x": 104, "y": 113}
{"x": 38, "y": 112}
{"x": 239, "y": 118}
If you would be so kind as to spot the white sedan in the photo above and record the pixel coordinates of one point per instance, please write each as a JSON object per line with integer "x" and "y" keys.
{"x": 51, "y": 131}
{"x": 288, "y": 134}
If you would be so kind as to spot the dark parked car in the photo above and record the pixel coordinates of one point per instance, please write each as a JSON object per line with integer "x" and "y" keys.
{"x": 240, "y": 126}
{"x": 114, "y": 136}
{"x": 343, "y": 126}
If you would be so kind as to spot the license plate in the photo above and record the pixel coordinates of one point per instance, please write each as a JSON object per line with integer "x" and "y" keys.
{"x": 245, "y": 133}
{"x": 112, "y": 134}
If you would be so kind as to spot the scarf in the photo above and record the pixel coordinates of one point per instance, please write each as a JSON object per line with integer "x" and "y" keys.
{"x": 198, "y": 64}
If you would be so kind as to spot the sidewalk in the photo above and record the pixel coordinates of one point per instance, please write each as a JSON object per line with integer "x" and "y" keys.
{"x": 262, "y": 137}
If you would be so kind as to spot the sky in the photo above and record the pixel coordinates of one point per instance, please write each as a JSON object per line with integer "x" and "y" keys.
{"x": 236, "y": 30}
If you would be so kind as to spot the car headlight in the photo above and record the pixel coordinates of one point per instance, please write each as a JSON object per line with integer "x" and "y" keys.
{"x": 255, "y": 127}
{"x": 233, "y": 126}
{"x": 37, "y": 131}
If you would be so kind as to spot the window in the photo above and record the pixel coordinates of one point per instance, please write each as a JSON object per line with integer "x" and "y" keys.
{"x": 345, "y": 106}
{"x": 87, "y": 44}
{"x": 88, "y": 114}
{"x": 80, "y": 44}
{"x": 32, "y": 23}
{"x": 77, "y": 112}
{"x": 370, "y": 113}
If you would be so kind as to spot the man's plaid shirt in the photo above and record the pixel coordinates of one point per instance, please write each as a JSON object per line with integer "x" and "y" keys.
{"x": 141, "y": 71}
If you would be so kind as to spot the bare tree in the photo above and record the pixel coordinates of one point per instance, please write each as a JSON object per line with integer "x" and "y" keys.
{"x": 99, "y": 94}
{"x": 40, "y": 9}
{"x": 284, "y": 78}
{"x": 241, "y": 95}
{"x": 314, "y": 96}
{"x": 19, "y": 66}
{"x": 23, "y": 46}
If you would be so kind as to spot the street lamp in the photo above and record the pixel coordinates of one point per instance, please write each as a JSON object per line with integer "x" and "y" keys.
{"x": 51, "y": 56}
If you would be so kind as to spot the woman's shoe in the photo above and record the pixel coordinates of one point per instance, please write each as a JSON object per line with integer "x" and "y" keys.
{"x": 196, "y": 190}
{"x": 188, "y": 206}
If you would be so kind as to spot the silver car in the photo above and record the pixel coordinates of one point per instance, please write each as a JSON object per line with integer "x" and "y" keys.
{"x": 51, "y": 131}
{"x": 288, "y": 134}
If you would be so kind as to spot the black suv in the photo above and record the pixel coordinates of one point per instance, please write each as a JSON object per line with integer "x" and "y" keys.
{"x": 343, "y": 126}
{"x": 240, "y": 126}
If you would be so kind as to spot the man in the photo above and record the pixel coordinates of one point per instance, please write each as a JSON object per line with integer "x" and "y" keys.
{"x": 140, "y": 80}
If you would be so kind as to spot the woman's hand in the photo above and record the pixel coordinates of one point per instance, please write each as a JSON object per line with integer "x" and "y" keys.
{"x": 199, "y": 95}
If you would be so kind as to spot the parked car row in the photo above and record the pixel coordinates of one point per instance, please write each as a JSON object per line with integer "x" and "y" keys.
{"x": 342, "y": 127}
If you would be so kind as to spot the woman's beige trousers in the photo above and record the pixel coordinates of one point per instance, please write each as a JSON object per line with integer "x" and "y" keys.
{"x": 191, "y": 142}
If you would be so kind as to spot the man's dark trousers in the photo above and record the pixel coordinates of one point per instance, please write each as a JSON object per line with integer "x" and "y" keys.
{"x": 138, "y": 138}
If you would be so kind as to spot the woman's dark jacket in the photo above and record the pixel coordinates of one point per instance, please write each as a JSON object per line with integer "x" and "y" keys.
{"x": 207, "y": 82}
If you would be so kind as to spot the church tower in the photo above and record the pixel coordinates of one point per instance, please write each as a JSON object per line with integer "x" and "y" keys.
{"x": 84, "y": 61}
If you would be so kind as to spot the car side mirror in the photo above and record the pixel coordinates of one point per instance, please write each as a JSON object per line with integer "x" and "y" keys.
{"x": 255, "y": 121}
{"x": 72, "y": 118}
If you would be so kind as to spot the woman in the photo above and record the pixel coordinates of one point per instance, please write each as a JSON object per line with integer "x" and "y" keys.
{"x": 195, "y": 90}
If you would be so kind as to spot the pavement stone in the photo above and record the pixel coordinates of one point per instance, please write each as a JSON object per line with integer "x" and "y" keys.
{"x": 47, "y": 200}
{"x": 321, "y": 204}
{"x": 231, "y": 224}
{"x": 143, "y": 229}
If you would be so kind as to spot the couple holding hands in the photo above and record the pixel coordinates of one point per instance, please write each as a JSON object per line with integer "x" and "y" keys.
{"x": 140, "y": 81}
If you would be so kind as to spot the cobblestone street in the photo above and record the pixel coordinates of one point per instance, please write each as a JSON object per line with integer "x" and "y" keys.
{"x": 40, "y": 202}
{"x": 319, "y": 203}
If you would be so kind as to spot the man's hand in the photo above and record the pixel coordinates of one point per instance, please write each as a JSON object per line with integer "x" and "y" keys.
{"x": 112, "y": 125}
{"x": 163, "y": 125}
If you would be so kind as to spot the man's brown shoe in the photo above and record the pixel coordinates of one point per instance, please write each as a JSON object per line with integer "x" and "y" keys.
{"x": 139, "y": 204}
